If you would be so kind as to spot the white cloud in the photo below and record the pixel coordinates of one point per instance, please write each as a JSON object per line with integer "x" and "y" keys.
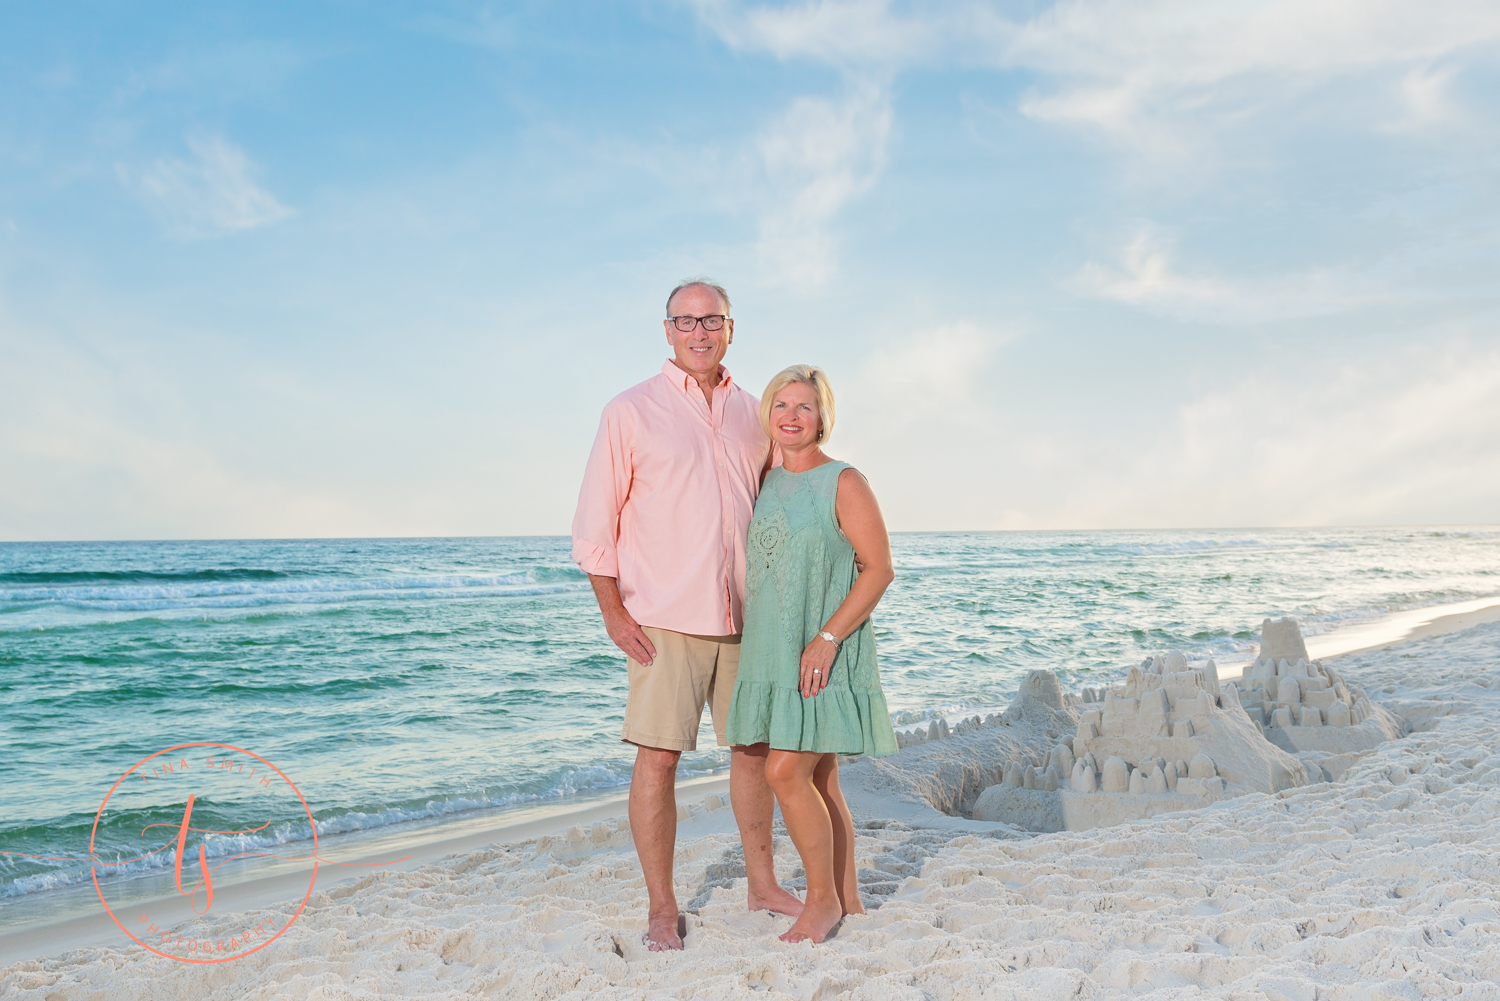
{"x": 1154, "y": 74}
{"x": 1150, "y": 71}
{"x": 1147, "y": 276}
{"x": 1426, "y": 93}
{"x": 123, "y": 422}
{"x": 212, "y": 194}
{"x": 938, "y": 368}
{"x": 1291, "y": 437}
{"x": 100, "y": 443}
{"x": 1405, "y": 438}
{"x": 819, "y": 156}
{"x": 919, "y": 419}
{"x": 863, "y": 34}
{"x": 824, "y": 151}
{"x": 1450, "y": 265}
{"x": 793, "y": 178}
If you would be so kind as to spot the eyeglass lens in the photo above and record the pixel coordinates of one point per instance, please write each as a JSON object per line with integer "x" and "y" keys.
{"x": 687, "y": 323}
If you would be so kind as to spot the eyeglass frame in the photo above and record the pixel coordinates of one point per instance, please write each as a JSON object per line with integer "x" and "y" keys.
{"x": 698, "y": 321}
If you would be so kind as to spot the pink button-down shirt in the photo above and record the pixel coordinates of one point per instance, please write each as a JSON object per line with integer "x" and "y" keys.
{"x": 667, "y": 497}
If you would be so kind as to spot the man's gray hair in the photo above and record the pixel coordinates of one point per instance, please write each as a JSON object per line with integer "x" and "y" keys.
{"x": 700, "y": 282}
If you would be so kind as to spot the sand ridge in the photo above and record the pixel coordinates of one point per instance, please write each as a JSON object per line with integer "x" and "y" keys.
{"x": 1383, "y": 884}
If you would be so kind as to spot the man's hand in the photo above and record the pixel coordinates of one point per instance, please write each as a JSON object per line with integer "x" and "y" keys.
{"x": 619, "y": 623}
{"x": 629, "y": 636}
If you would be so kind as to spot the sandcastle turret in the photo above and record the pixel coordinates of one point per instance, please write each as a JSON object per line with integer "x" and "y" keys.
{"x": 1281, "y": 639}
{"x": 1043, "y": 686}
{"x": 1116, "y": 775}
{"x": 1283, "y": 678}
{"x": 1163, "y": 697}
{"x": 1303, "y": 705}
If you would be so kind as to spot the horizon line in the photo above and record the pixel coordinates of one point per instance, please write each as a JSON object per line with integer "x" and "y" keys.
{"x": 945, "y": 531}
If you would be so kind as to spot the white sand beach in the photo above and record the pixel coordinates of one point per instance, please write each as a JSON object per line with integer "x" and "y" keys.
{"x": 1382, "y": 884}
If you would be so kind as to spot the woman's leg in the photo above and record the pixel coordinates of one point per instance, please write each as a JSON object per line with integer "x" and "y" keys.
{"x": 846, "y": 876}
{"x": 750, "y": 796}
{"x": 790, "y": 774}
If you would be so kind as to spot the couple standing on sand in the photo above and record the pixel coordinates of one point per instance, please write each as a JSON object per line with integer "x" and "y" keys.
{"x": 748, "y": 586}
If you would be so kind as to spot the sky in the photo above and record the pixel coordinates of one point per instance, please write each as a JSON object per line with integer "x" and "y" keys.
{"x": 340, "y": 269}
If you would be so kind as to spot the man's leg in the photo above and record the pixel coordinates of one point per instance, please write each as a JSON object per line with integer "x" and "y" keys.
{"x": 661, "y": 720}
{"x": 653, "y": 825}
{"x": 750, "y": 796}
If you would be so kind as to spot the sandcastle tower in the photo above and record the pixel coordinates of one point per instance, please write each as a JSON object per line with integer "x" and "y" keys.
{"x": 1303, "y": 705}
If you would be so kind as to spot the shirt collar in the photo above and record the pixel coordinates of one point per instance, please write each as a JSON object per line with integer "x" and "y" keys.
{"x": 685, "y": 381}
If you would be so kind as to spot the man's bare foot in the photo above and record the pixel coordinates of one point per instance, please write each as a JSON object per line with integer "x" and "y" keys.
{"x": 819, "y": 915}
{"x": 774, "y": 898}
{"x": 661, "y": 933}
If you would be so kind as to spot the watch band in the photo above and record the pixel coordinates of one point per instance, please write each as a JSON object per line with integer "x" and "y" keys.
{"x": 825, "y": 634}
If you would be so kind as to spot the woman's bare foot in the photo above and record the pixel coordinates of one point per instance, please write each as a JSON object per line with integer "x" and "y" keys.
{"x": 661, "y": 932}
{"x": 819, "y": 915}
{"x": 774, "y": 898}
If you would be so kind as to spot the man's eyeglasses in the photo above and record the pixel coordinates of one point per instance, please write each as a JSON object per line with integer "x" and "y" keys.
{"x": 687, "y": 323}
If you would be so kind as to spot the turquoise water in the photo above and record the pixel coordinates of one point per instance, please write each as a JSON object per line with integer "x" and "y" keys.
{"x": 403, "y": 679}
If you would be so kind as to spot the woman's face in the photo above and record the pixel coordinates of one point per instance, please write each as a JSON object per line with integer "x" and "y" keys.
{"x": 794, "y": 416}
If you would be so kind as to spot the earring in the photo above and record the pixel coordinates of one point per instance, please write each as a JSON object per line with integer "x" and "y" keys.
{"x": 820, "y": 434}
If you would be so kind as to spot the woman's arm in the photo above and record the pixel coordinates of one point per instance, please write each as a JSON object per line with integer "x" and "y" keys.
{"x": 859, "y": 516}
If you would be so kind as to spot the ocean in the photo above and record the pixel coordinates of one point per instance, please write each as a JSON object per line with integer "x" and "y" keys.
{"x": 402, "y": 680}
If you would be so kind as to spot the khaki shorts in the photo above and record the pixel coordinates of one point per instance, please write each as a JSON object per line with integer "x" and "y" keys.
{"x": 666, "y": 699}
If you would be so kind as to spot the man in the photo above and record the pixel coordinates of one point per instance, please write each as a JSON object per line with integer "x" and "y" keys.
{"x": 660, "y": 530}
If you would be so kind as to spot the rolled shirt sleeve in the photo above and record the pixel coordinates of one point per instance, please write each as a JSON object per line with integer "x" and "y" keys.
{"x": 606, "y": 485}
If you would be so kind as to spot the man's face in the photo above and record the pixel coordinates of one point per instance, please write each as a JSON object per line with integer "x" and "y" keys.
{"x": 698, "y": 351}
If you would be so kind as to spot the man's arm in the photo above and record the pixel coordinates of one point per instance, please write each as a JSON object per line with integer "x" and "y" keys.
{"x": 619, "y": 623}
{"x": 596, "y": 527}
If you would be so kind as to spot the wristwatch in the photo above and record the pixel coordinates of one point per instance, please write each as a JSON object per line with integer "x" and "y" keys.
{"x": 825, "y": 634}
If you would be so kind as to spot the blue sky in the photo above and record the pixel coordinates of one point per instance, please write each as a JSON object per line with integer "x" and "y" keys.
{"x": 347, "y": 269}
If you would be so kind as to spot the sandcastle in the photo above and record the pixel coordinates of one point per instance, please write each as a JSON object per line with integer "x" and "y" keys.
{"x": 1173, "y": 737}
{"x": 1170, "y": 738}
{"x": 1304, "y": 706}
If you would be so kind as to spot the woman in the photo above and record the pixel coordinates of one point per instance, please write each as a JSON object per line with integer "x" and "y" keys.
{"x": 808, "y": 686}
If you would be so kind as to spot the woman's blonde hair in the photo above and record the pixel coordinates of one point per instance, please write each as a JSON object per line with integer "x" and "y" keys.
{"x": 808, "y": 375}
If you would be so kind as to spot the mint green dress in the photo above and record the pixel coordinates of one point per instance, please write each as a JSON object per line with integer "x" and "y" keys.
{"x": 799, "y": 570}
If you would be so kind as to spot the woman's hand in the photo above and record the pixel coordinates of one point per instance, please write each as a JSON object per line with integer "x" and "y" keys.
{"x": 817, "y": 661}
